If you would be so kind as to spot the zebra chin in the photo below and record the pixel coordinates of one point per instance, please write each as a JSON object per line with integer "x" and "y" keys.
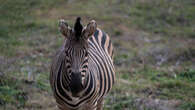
{"x": 76, "y": 85}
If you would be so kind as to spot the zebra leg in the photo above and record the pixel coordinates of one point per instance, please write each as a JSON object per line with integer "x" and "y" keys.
{"x": 100, "y": 104}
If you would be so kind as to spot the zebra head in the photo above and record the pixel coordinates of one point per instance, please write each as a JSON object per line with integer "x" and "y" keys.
{"x": 76, "y": 50}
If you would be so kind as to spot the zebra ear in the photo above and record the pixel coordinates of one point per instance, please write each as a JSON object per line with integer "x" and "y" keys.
{"x": 90, "y": 29}
{"x": 64, "y": 28}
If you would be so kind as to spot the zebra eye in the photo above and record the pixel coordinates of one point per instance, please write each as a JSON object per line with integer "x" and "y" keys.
{"x": 85, "y": 66}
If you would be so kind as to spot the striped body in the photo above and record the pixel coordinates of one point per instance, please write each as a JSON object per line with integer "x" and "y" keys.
{"x": 99, "y": 80}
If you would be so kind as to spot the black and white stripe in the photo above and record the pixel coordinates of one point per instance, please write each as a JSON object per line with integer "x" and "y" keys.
{"x": 97, "y": 71}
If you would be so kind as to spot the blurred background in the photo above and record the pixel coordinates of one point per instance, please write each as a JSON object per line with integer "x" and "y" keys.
{"x": 154, "y": 44}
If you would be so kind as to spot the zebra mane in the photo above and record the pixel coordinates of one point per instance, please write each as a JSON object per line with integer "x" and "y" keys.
{"x": 78, "y": 28}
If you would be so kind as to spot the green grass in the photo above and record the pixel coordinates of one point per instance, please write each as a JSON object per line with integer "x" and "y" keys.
{"x": 188, "y": 74}
{"x": 120, "y": 102}
{"x": 12, "y": 92}
{"x": 165, "y": 17}
{"x": 160, "y": 84}
{"x": 18, "y": 17}
{"x": 17, "y": 20}
{"x": 188, "y": 106}
{"x": 29, "y": 37}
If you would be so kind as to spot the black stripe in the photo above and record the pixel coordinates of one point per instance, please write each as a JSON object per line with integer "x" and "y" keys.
{"x": 87, "y": 81}
{"x": 85, "y": 61}
{"x": 59, "y": 86}
{"x": 103, "y": 39}
{"x": 109, "y": 45}
{"x": 96, "y": 35}
{"x": 100, "y": 67}
{"x": 90, "y": 85}
{"x": 108, "y": 78}
{"x": 103, "y": 60}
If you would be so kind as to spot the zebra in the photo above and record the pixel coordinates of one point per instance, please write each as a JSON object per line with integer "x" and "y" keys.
{"x": 82, "y": 71}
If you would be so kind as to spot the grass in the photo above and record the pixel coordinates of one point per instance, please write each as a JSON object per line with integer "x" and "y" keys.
{"x": 188, "y": 74}
{"x": 12, "y": 92}
{"x": 143, "y": 33}
{"x": 166, "y": 17}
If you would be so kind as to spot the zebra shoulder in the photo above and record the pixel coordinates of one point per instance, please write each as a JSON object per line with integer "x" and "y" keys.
{"x": 104, "y": 41}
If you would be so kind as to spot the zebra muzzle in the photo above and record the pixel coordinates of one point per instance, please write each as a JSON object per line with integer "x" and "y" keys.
{"x": 76, "y": 83}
